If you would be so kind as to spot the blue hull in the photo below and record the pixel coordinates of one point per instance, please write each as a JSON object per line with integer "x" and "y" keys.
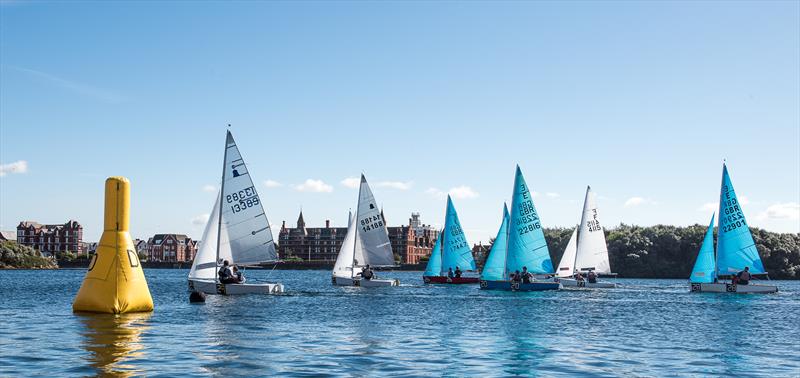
{"x": 509, "y": 286}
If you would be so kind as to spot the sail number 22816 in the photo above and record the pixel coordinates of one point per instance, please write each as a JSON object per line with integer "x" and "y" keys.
{"x": 242, "y": 199}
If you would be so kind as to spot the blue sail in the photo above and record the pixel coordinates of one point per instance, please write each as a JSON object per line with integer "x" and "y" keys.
{"x": 495, "y": 266}
{"x": 735, "y": 246}
{"x": 456, "y": 252}
{"x": 703, "y": 271}
{"x": 526, "y": 244}
{"x": 434, "y": 267}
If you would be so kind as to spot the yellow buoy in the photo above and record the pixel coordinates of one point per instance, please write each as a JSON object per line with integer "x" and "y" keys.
{"x": 115, "y": 281}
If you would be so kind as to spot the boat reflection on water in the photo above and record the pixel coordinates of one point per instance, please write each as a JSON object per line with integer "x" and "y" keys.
{"x": 111, "y": 340}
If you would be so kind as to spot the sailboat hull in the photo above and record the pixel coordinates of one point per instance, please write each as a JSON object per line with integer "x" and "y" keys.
{"x": 720, "y": 287}
{"x": 347, "y": 281}
{"x": 448, "y": 280}
{"x": 519, "y": 286}
{"x": 211, "y": 287}
{"x": 573, "y": 283}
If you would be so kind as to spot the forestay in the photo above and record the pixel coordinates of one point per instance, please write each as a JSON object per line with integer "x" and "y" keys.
{"x": 372, "y": 244}
{"x": 567, "y": 265}
{"x": 456, "y": 252}
{"x": 703, "y": 271}
{"x": 592, "y": 253}
{"x": 527, "y": 246}
{"x": 495, "y": 266}
{"x": 434, "y": 267}
{"x": 735, "y": 246}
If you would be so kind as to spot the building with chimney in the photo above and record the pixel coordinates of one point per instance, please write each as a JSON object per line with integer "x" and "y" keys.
{"x": 51, "y": 239}
{"x": 171, "y": 247}
{"x": 409, "y": 243}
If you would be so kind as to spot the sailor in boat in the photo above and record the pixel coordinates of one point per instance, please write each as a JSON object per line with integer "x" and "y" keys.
{"x": 458, "y": 272}
{"x": 367, "y": 273}
{"x": 527, "y": 277}
{"x": 237, "y": 275}
{"x": 225, "y": 274}
{"x": 578, "y": 276}
{"x": 516, "y": 277}
{"x": 744, "y": 277}
{"x": 592, "y": 276}
{"x": 450, "y": 273}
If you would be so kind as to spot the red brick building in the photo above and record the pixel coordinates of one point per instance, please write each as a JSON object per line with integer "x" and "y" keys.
{"x": 171, "y": 247}
{"x": 51, "y": 239}
{"x": 409, "y": 243}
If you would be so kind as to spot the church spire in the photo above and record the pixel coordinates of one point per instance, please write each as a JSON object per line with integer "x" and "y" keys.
{"x": 300, "y": 222}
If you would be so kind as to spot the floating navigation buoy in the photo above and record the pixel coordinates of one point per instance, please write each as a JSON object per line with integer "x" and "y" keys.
{"x": 197, "y": 297}
{"x": 115, "y": 282}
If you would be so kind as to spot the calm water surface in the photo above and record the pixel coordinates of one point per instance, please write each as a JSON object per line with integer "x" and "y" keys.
{"x": 646, "y": 328}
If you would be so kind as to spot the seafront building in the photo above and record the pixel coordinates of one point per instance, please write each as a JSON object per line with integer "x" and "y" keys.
{"x": 409, "y": 243}
{"x": 169, "y": 247}
{"x": 51, "y": 239}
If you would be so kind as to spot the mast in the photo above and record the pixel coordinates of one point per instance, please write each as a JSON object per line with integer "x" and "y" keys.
{"x": 355, "y": 235}
{"x": 221, "y": 194}
{"x": 578, "y": 227}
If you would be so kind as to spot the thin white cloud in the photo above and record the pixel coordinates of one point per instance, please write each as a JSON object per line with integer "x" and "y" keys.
{"x": 552, "y": 194}
{"x": 209, "y": 188}
{"x": 200, "y": 219}
{"x": 75, "y": 87}
{"x": 458, "y": 192}
{"x": 351, "y": 182}
{"x": 399, "y": 185}
{"x": 272, "y": 184}
{"x": 313, "y": 186}
{"x": 637, "y": 201}
{"x": 708, "y": 207}
{"x": 20, "y": 166}
{"x": 788, "y": 210}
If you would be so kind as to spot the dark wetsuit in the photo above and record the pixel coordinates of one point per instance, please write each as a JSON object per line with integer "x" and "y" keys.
{"x": 225, "y": 276}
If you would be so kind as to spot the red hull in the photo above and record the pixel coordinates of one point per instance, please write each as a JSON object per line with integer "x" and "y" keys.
{"x": 454, "y": 281}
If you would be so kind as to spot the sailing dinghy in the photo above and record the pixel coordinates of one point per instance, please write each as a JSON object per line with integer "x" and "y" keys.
{"x": 588, "y": 252}
{"x": 366, "y": 243}
{"x": 520, "y": 243}
{"x": 450, "y": 252}
{"x": 237, "y": 231}
{"x": 735, "y": 249}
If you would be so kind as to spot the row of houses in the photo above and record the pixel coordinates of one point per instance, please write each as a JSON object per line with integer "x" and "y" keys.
{"x": 411, "y": 243}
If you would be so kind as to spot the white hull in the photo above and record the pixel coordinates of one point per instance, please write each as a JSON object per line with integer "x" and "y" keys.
{"x": 720, "y": 287}
{"x": 211, "y": 287}
{"x": 573, "y": 283}
{"x": 347, "y": 281}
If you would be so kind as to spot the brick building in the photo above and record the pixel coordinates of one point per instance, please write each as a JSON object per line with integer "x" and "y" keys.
{"x": 51, "y": 239}
{"x": 171, "y": 247}
{"x": 409, "y": 243}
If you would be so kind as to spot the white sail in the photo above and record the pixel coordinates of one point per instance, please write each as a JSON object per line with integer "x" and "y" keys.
{"x": 566, "y": 267}
{"x": 344, "y": 262}
{"x": 205, "y": 265}
{"x": 249, "y": 234}
{"x": 372, "y": 244}
{"x": 592, "y": 251}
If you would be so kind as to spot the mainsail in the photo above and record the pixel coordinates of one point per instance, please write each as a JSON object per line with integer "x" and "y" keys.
{"x": 735, "y": 246}
{"x": 238, "y": 229}
{"x": 495, "y": 266}
{"x": 456, "y": 252}
{"x": 527, "y": 246}
{"x": 703, "y": 271}
{"x": 592, "y": 253}
{"x": 434, "y": 267}
{"x": 372, "y": 245}
{"x": 567, "y": 265}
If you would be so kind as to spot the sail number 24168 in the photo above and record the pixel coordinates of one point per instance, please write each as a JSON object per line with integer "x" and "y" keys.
{"x": 242, "y": 199}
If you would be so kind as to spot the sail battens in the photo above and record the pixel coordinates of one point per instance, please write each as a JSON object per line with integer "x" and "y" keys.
{"x": 527, "y": 247}
{"x": 735, "y": 245}
{"x": 456, "y": 252}
{"x": 592, "y": 251}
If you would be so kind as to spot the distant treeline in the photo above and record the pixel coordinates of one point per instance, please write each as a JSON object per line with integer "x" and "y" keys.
{"x": 669, "y": 251}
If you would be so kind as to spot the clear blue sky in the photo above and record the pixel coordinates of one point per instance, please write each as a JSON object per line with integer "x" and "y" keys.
{"x": 641, "y": 100}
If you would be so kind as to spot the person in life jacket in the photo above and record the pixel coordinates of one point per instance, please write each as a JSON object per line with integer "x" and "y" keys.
{"x": 450, "y": 273}
{"x": 527, "y": 277}
{"x": 458, "y": 272}
{"x": 592, "y": 276}
{"x": 367, "y": 273}
{"x": 744, "y": 277}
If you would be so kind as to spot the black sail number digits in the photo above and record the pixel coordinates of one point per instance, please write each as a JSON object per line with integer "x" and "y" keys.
{"x": 242, "y": 199}
{"x": 371, "y": 223}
